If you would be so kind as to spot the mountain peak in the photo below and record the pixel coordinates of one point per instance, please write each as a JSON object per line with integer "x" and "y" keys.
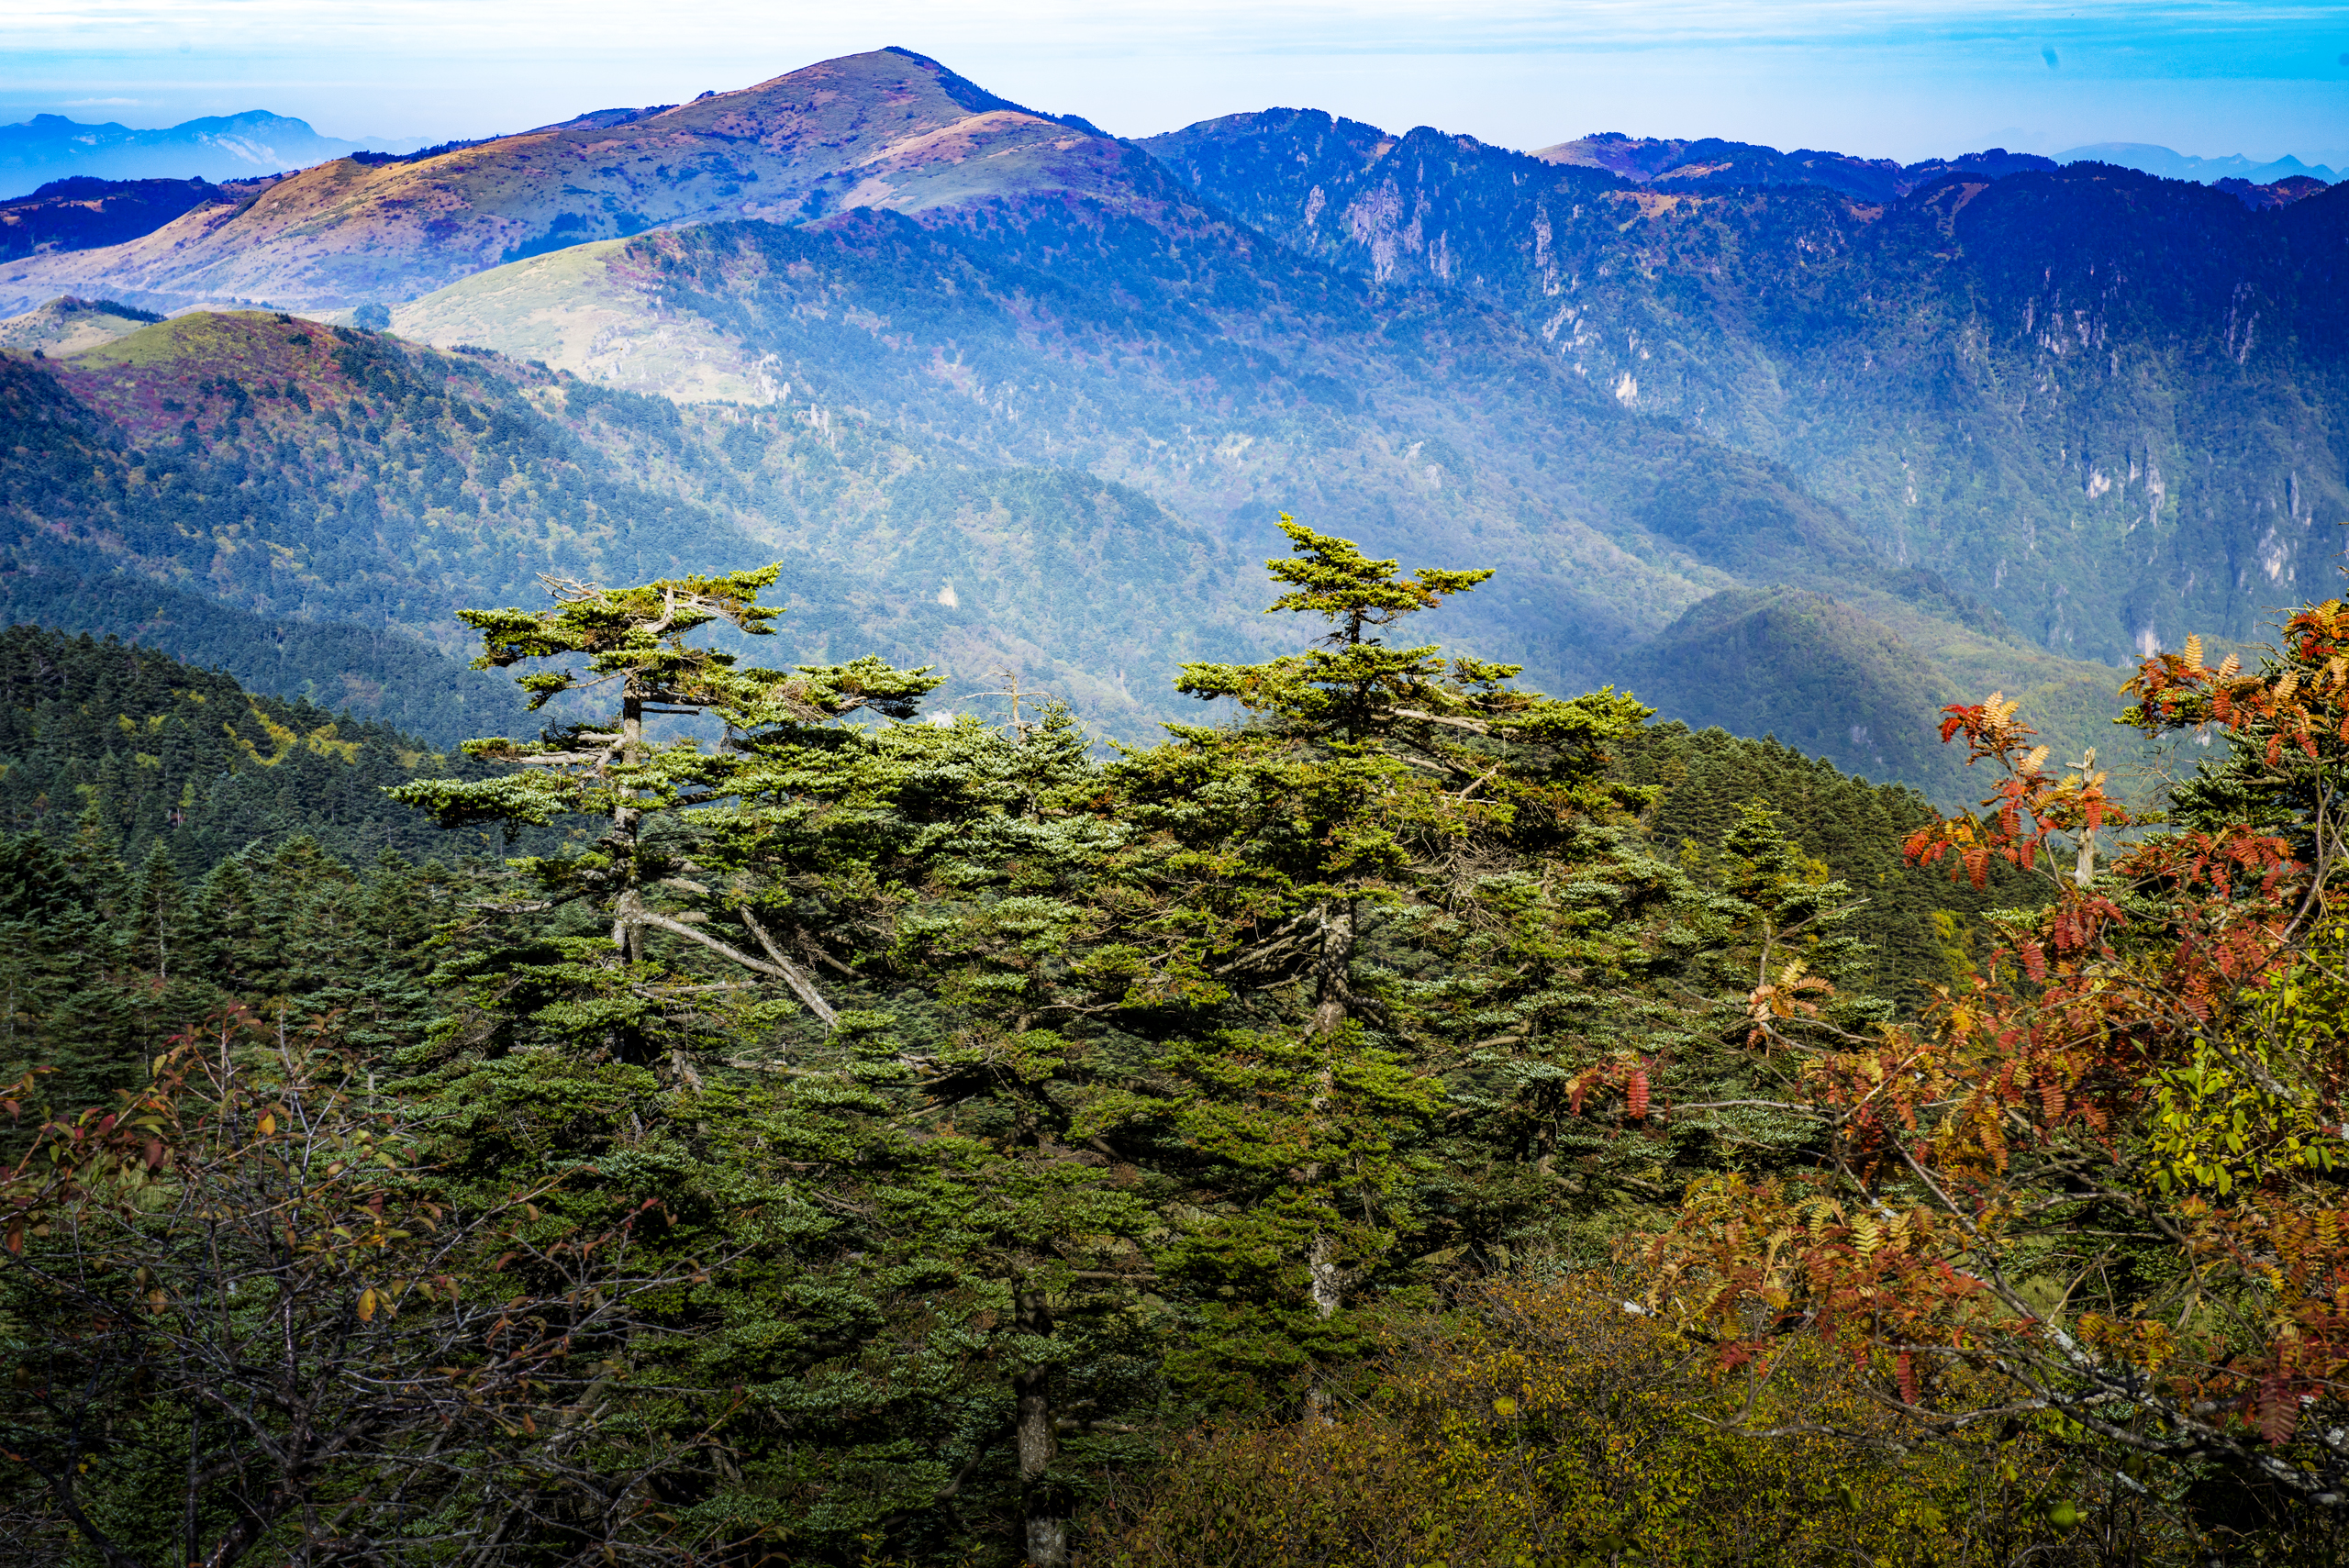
{"x": 888, "y": 129}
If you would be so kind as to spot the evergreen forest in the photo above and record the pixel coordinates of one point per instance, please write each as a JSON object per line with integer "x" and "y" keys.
{"x": 1398, "y": 1118}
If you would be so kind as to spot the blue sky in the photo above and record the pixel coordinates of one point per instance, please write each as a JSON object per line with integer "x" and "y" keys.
{"x": 1875, "y": 77}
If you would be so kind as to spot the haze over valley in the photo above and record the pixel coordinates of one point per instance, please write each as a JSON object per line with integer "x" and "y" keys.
{"x": 1010, "y": 393}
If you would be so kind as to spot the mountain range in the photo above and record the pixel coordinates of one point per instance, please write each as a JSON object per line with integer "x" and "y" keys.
{"x": 218, "y": 147}
{"x": 2172, "y": 166}
{"x": 49, "y": 146}
{"x": 1805, "y": 455}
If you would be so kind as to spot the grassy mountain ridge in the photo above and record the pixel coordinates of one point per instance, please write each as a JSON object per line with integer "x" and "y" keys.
{"x": 67, "y": 325}
{"x": 886, "y": 129}
{"x": 86, "y": 214}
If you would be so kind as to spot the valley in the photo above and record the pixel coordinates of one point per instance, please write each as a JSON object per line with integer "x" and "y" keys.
{"x": 1014, "y": 396}
{"x": 844, "y": 825}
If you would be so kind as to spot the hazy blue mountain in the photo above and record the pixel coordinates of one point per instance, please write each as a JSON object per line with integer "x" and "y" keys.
{"x": 1711, "y": 164}
{"x": 2109, "y": 406}
{"x": 218, "y": 147}
{"x": 2172, "y": 166}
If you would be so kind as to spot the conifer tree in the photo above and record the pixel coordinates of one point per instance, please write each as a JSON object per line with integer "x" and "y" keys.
{"x": 1408, "y": 749}
{"x": 633, "y": 640}
{"x": 1357, "y": 785}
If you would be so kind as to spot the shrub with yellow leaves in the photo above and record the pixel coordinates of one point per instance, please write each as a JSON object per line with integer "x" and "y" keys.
{"x": 1550, "y": 1424}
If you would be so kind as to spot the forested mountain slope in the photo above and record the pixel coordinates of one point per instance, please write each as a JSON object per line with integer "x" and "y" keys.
{"x": 288, "y": 475}
{"x": 984, "y": 364}
{"x": 130, "y": 750}
{"x": 1191, "y": 361}
{"x": 83, "y": 213}
{"x": 808, "y": 1098}
{"x": 308, "y": 505}
{"x": 1035, "y": 1023}
{"x": 2109, "y": 406}
{"x": 1673, "y": 164}
{"x": 170, "y": 841}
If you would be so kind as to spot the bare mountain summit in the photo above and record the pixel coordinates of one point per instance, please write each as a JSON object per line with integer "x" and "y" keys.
{"x": 890, "y": 129}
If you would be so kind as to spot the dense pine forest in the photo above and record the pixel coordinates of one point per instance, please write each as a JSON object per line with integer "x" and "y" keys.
{"x": 1398, "y": 1117}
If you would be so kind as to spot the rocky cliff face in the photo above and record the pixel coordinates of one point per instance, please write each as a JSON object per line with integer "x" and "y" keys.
{"x": 2110, "y": 404}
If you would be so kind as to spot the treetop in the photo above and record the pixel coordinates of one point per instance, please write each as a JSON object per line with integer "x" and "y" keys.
{"x": 639, "y": 629}
{"x": 1334, "y": 578}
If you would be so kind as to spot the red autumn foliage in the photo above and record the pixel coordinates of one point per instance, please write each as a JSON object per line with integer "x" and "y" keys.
{"x": 2155, "y": 1060}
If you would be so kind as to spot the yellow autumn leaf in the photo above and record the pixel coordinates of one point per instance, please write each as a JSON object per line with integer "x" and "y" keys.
{"x": 268, "y": 1124}
{"x": 366, "y": 1306}
{"x": 2034, "y": 759}
{"x": 2193, "y": 655}
{"x": 2230, "y": 668}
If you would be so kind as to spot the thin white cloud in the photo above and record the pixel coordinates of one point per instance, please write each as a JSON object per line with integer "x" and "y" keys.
{"x": 425, "y": 26}
{"x": 1902, "y": 77}
{"x": 98, "y": 103}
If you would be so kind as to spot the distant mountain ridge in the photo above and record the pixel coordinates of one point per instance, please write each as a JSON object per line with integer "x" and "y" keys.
{"x": 2110, "y": 406}
{"x": 216, "y": 148}
{"x": 67, "y": 325}
{"x": 1712, "y": 163}
{"x": 2172, "y": 166}
{"x": 889, "y": 130}
{"x": 82, "y": 212}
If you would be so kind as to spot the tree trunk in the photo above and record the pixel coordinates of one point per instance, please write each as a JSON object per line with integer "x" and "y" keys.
{"x": 628, "y": 926}
{"x": 1324, "y": 1285}
{"x": 1044, "y": 1518}
{"x": 1330, "y": 989}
